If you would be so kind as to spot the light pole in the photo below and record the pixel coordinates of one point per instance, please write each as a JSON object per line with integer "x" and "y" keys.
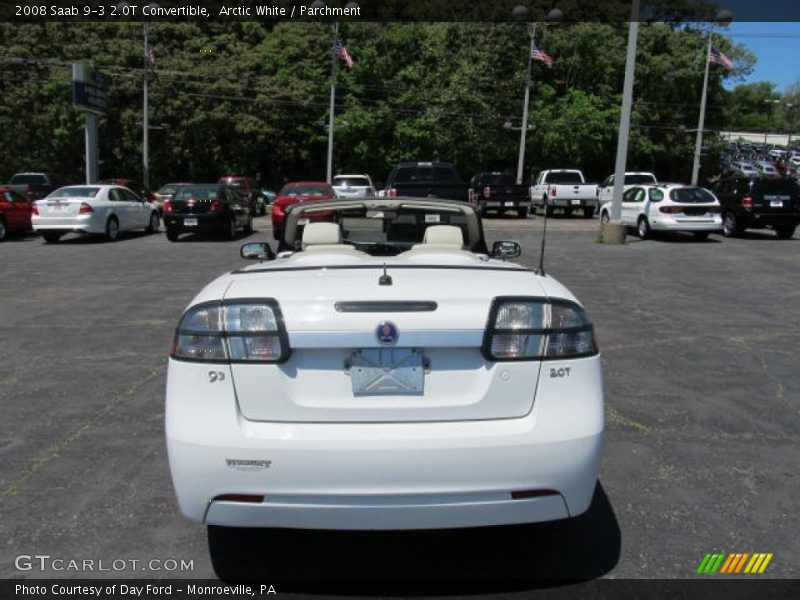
{"x": 770, "y": 107}
{"x": 520, "y": 13}
{"x": 793, "y": 111}
{"x": 723, "y": 17}
{"x": 334, "y": 66}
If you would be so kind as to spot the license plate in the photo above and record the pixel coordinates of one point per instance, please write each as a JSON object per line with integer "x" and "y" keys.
{"x": 190, "y": 222}
{"x": 387, "y": 371}
{"x": 58, "y": 207}
{"x": 776, "y": 203}
{"x": 576, "y": 202}
{"x": 509, "y": 204}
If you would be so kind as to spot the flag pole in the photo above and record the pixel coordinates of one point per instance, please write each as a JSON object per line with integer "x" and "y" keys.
{"x": 698, "y": 144}
{"x": 524, "y": 128}
{"x": 329, "y": 170}
{"x": 145, "y": 117}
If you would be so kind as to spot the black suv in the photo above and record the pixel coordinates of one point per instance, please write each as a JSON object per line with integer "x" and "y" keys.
{"x": 758, "y": 202}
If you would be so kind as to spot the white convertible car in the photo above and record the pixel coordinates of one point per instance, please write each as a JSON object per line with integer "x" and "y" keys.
{"x": 385, "y": 371}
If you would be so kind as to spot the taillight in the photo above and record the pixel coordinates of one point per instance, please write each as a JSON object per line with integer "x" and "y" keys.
{"x": 713, "y": 209}
{"x": 537, "y": 329}
{"x": 747, "y": 202}
{"x": 216, "y": 206}
{"x": 553, "y": 191}
{"x": 391, "y": 193}
{"x": 167, "y": 206}
{"x": 487, "y": 191}
{"x": 233, "y": 332}
{"x": 85, "y": 209}
{"x": 670, "y": 209}
{"x": 34, "y": 209}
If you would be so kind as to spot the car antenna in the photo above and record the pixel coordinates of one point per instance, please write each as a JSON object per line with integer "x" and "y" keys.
{"x": 540, "y": 270}
{"x": 385, "y": 279}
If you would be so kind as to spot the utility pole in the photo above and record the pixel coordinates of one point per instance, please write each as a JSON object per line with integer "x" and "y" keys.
{"x": 524, "y": 128}
{"x": 698, "y": 142}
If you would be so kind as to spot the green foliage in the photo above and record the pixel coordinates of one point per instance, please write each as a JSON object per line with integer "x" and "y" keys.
{"x": 246, "y": 97}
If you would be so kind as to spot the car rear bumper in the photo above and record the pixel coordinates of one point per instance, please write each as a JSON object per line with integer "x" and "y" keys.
{"x": 205, "y": 222}
{"x": 91, "y": 223}
{"x": 771, "y": 220}
{"x": 704, "y": 223}
{"x": 509, "y": 203}
{"x": 573, "y": 202}
{"x": 402, "y": 475}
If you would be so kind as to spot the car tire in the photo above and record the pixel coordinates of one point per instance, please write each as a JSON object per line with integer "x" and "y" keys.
{"x": 522, "y": 213}
{"x": 172, "y": 235}
{"x": 112, "y": 229}
{"x": 730, "y": 225}
{"x": 230, "y": 232}
{"x": 784, "y": 233}
{"x": 588, "y": 213}
{"x": 155, "y": 222}
{"x": 248, "y": 227}
{"x": 51, "y": 238}
{"x": 700, "y": 236}
{"x": 643, "y": 228}
{"x": 3, "y": 230}
{"x": 604, "y": 218}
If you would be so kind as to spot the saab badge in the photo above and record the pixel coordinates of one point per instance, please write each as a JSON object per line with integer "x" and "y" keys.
{"x": 386, "y": 332}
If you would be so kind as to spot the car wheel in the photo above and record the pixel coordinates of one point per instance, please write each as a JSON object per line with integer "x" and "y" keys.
{"x": 730, "y": 225}
{"x": 248, "y": 227}
{"x": 643, "y": 228}
{"x": 231, "y": 231}
{"x": 155, "y": 223}
{"x": 522, "y": 212}
{"x": 604, "y": 218}
{"x": 700, "y": 236}
{"x": 784, "y": 233}
{"x": 52, "y": 238}
{"x": 172, "y": 235}
{"x": 588, "y": 213}
{"x": 3, "y": 230}
{"x": 112, "y": 229}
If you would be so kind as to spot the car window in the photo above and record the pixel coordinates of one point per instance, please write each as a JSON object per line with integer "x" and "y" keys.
{"x": 304, "y": 190}
{"x": 609, "y": 181}
{"x": 12, "y": 196}
{"x": 628, "y": 195}
{"x": 116, "y": 195}
{"x": 656, "y": 195}
{"x": 564, "y": 177}
{"x": 75, "y": 192}
{"x": 30, "y": 179}
{"x": 351, "y": 181}
{"x": 691, "y": 195}
{"x": 639, "y": 178}
{"x": 130, "y": 196}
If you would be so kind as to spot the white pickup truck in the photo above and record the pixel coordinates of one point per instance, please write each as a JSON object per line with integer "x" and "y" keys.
{"x": 605, "y": 191}
{"x": 565, "y": 189}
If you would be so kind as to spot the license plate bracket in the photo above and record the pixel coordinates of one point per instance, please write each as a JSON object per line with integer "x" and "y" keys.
{"x": 190, "y": 222}
{"x": 387, "y": 372}
{"x": 576, "y": 202}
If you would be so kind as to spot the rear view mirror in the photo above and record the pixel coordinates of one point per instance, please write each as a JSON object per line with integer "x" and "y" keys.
{"x": 256, "y": 251}
{"x": 506, "y": 249}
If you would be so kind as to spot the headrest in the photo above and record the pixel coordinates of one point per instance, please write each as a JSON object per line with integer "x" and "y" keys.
{"x": 315, "y": 234}
{"x": 444, "y": 235}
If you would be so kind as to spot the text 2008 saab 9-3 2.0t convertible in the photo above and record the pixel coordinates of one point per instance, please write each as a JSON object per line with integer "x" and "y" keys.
{"x": 385, "y": 371}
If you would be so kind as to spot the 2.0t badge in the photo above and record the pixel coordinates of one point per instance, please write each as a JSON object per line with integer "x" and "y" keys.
{"x": 386, "y": 332}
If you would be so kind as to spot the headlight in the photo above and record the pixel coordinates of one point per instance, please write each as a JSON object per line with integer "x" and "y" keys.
{"x": 537, "y": 329}
{"x": 234, "y": 331}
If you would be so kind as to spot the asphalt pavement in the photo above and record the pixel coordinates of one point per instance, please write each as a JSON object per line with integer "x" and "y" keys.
{"x": 699, "y": 342}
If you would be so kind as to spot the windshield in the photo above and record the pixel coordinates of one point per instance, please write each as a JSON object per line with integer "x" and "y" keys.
{"x": 564, "y": 177}
{"x": 351, "y": 181}
{"x": 304, "y": 190}
{"x": 639, "y": 178}
{"x": 75, "y": 192}
{"x": 690, "y": 195}
{"x": 200, "y": 192}
{"x": 29, "y": 179}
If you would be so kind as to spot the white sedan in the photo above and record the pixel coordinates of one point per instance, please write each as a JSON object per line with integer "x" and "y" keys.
{"x": 351, "y": 186}
{"x": 668, "y": 207}
{"x": 94, "y": 210}
{"x": 386, "y": 371}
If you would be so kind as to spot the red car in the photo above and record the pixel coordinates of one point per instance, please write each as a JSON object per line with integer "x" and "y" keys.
{"x": 15, "y": 212}
{"x": 294, "y": 192}
{"x": 247, "y": 189}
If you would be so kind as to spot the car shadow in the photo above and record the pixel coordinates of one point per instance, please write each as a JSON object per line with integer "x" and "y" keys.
{"x": 680, "y": 237}
{"x": 416, "y": 563}
{"x": 215, "y": 237}
{"x": 78, "y": 239}
{"x": 763, "y": 235}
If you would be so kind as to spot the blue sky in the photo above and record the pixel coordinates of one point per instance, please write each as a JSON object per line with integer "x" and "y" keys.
{"x": 778, "y": 55}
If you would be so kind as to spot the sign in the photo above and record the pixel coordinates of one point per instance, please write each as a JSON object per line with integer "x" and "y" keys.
{"x": 89, "y": 89}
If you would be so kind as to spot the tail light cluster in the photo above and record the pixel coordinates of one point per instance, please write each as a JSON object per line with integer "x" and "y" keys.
{"x": 34, "y": 209}
{"x": 522, "y": 328}
{"x": 85, "y": 209}
{"x": 391, "y": 192}
{"x": 553, "y": 191}
{"x": 747, "y": 202}
{"x": 216, "y": 206}
{"x": 167, "y": 208}
{"x": 679, "y": 209}
{"x": 239, "y": 331}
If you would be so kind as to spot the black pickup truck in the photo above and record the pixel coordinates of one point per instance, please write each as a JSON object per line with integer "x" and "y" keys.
{"x": 499, "y": 191}
{"x": 426, "y": 179}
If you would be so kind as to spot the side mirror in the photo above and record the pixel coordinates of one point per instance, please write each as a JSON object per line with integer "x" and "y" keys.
{"x": 256, "y": 251}
{"x": 506, "y": 249}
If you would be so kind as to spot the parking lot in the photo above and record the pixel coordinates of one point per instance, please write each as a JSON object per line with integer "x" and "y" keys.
{"x": 700, "y": 354}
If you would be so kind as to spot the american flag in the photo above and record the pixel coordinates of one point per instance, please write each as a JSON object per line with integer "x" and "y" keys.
{"x": 150, "y": 57}
{"x": 542, "y": 56}
{"x": 715, "y": 57}
{"x": 342, "y": 52}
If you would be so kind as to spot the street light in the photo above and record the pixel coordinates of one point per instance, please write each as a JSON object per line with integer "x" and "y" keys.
{"x": 723, "y": 17}
{"x": 520, "y": 13}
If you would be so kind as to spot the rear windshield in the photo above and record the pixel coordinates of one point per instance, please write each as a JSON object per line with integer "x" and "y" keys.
{"x": 689, "y": 195}
{"x": 637, "y": 179}
{"x": 304, "y": 190}
{"x": 200, "y": 192}
{"x": 426, "y": 173}
{"x": 235, "y": 183}
{"x": 776, "y": 186}
{"x": 351, "y": 181}
{"x": 564, "y": 177}
{"x": 75, "y": 192}
{"x": 497, "y": 179}
{"x": 169, "y": 189}
{"x": 30, "y": 179}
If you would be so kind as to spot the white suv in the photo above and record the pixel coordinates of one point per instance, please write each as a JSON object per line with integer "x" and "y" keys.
{"x": 352, "y": 186}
